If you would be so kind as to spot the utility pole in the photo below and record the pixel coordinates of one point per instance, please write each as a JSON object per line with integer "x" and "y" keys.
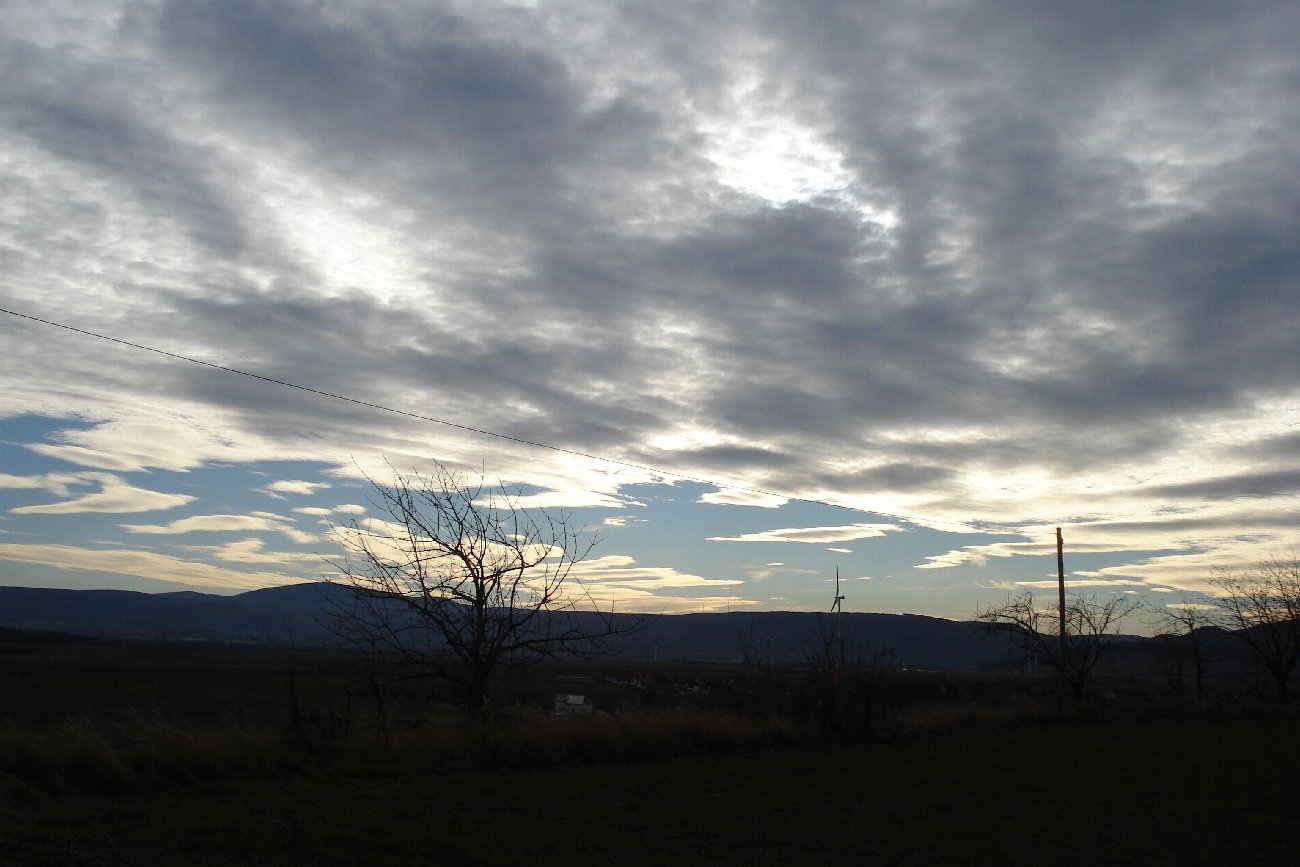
{"x": 1060, "y": 591}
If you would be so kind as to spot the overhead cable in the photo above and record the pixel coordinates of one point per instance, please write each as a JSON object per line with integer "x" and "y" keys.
{"x": 382, "y": 408}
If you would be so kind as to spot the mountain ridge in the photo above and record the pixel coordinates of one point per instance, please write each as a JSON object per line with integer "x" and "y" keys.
{"x": 297, "y": 613}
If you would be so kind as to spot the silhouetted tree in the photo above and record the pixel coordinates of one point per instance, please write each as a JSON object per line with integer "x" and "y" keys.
{"x": 850, "y": 682}
{"x": 1263, "y": 605}
{"x": 1182, "y": 641}
{"x": 1087, "y": 622}
{"x": 456, "y": 581}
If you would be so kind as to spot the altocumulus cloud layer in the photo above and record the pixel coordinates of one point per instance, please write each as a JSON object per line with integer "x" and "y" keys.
{"x": 972, "y": 266}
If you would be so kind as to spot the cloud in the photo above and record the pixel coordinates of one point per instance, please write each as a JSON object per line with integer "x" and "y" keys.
{"x": 1266, "y": 484}
{"x": 663, "y": 603}
{"x": 814, "y": 535}
{"x": 620, "y": 571}
{"x": 569, "y": 500}
{"x": 1079, "y": 582}
{"x": 979, "y": 554}
{"x": 737, "y": 497}
{"x": 115, "y": 496}
{"x": 143, "y": 564}
{"x": 291, "y": 486}
{"x": 768, "y": 571}
{"x": 1005, "y": 267}
{"x": 59, "y": 484}
{"x": 617, "y": 582}
{"x": 30, "y": 483}
{"x": 215, "y": 523}
{"x": 125, "y": 447}
{"x": 225, "y": 524}
{"x": 254, "y": 551}
{"x": 1192, "y": 606}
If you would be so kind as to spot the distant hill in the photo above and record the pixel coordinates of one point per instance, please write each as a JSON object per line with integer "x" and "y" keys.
{"x": 297, "y": 613}
{"x": 785, "y": 637}
{"x": 185, "y": 615}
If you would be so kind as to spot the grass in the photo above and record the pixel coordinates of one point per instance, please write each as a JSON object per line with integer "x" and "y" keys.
{"x": 146, "y": 756}
{"x": 136, "y": 752}
{"x": 1149, "y": 792}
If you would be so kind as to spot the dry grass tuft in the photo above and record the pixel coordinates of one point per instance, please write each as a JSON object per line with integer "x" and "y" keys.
{"x": 142, "y": 751}
{"x": 535, "y": 739}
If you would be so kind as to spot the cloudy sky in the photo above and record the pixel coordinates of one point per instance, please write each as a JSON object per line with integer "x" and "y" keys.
{"x": 774, "y": 288}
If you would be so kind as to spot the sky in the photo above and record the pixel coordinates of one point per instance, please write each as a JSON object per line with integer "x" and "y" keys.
{"x": 751, "y": 291}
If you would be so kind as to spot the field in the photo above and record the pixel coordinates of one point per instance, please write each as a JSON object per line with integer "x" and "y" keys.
{"x": 178, "y": 782}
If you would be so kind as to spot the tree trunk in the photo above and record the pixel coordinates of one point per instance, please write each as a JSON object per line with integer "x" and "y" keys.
{"x": 476, "y": 693}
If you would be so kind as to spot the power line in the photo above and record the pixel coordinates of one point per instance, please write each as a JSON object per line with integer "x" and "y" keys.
{"x": 382, "y": 408}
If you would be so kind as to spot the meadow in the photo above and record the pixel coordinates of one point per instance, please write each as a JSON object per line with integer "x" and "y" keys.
{"x": 121, "y": 754}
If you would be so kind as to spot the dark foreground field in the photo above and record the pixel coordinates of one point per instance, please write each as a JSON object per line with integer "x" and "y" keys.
{"x": 952, "y": 784}
{"x": 1134, "y": 793}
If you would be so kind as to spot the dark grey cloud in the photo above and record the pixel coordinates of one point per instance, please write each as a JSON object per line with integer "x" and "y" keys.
{"x": 1236, "y": 521}
{"x": 984, "y": 137}
{"x": 1264, "y": 484}
{"x": 1277, "y": 448}
{"x": 903, "y": 476}
{"x": 73, "y": 113}
{"x": 466, "y": 378}
{"x": 419, "y": 103}
{"x": 786, "y": 256}
{"x": 725, "y": 458}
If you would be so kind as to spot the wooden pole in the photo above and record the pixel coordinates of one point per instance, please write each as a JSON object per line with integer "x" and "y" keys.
{"x": 1060, "y": 589}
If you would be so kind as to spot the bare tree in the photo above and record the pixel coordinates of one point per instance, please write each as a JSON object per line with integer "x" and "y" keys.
{"x": 851, "y": 682}
{"x": 1263, "y": 605}
{"x": 1088, "y": 621}
{"x": 754, "y": 658}
{"x": 457, "y": 580}
{"x": 1182, "y": 641}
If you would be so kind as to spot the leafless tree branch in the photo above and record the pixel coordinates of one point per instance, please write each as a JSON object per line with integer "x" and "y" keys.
{"x": 1088, "y": 620}
{"x": 1263, "y": 607}
{"x": 456, "y": 580}
{"x": 1182, "y": 640}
